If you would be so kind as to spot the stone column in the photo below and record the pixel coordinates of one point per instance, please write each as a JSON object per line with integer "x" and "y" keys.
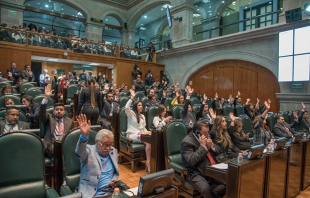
{"x": 94, "y": 31}
{"x": 182, "y": 30}
{"x": 208, "y": 24}
{"x": 11, "y": 14}
{"x": 128, "y": 37}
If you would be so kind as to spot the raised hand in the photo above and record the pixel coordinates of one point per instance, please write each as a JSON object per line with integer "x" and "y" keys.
{"x": 164, "y": 93}
{"x": 216, "y": 95}
{"x": 132, "y": 94}
{"x": 248, "y": 100}
{"x": 295, "y": 115}
{"x": 114, "y": 85}
{"x": 48, "y": 91}
{"x": 230, "y": 96}
{"x": 84, "y": 124}
{"x": 177, "y": 84}
{"x": 205, "y": 98}
{"x": 9, "y": 74}
{"x": 239, "y": 93}
{"x": 267, "y": 105}
{"x": 106, "y": 87}
{"x": 212, "y": 113}
{"x": 303, "y": 106}
{"x": 177, "y": 94}
{"x": 257, "y": 100}
{"x": 232, "y": 117}
{"x": 190, "y": 91}
{"x": 269, "y": 101}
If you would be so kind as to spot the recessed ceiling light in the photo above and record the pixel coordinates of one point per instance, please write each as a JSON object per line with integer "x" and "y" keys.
{"x": 39, "y": 3}
{"x": 52, "y": 10}
{"x": 162, "y": 9}
{"x": 62, "y": 9}
{"x": 197, "y": 8}
{"x": 28, "y": 4}
{"x": 52, "y": 59}
{"x": 193, "y": 22}
{"x": 43, "y": 27}
{"x": 145, "y": 16}
{"x": 141, "y": 23}
{"x": 94, "y": 64}
{"x": 223, "y": 1}
{"x": 106, "y": 19}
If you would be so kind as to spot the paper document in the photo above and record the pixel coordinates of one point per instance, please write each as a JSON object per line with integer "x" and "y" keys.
{"x": 131, "y": 190}
{"x": 220, "y": 166}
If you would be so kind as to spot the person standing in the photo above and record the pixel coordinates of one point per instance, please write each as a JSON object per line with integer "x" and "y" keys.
{"x": 27, "y": 74}
{"x": 89, "y": 100}
{"x": 13, "y": 73}
{"x": 44, "y": 78}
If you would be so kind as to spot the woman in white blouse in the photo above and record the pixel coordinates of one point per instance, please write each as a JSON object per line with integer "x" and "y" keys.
{"x": 160, "y": 118}
{"x": 136, "y": 125}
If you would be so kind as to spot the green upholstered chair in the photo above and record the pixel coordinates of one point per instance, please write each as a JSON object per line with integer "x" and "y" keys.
{"x": 246, "y": 124}
{"x": 174, "y": 133}
{"x": 16, "y": 99}
{"x": 140, "y": 95}
{"x": 22, "y": 116}
{"x": 123, "y": 101}
{"x": 167, "y": 103}
{"x": 123, "y": 94}
{"x": 290, "y": 115}
{"x": 151, "y": 113}
{"x": 228, "y": 121}
{"x": 2, "y": 84}
{"x": 33, "y": 92}
{"x": 71, "y": 162}
{"x": 176, "y": 111}
{"x": 22, "y": 167}
{"x": 239, "y": 110}
{"x": 196, "y": 108}
{"x": 144, "y": 100}
{"x": 39, "y": 99}
{"x": 271, "y": 120}
{"x": 71, "y": 90}
{"x": 23, "y": 87}
{"x": 194, "y": 101}
{"x": 227, "y": 110}
{"x": 132, "y": 152}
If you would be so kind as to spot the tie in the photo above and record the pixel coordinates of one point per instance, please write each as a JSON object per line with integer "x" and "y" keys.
{"x": 7, "y": 128}
{"x": 209, "y": 156}
{"x": 60, "y": 129}
{"x": 111, "y": 112}
{"x": 288, "y": 131}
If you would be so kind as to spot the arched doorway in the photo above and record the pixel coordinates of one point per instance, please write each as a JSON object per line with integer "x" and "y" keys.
{"x": 230, "y": 76}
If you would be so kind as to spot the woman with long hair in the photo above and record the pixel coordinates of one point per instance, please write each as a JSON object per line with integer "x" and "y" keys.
{"x": 261, "y": 132}
{"x": 136, "y": 125}
{"x": 179, "y": 99}
{"x": 160, "y": 118}
{"x": 238, "y": 137}
{"x": 89, "y": 100}
{"x": 219, "y": 134}
{"x": 31, "y": 110}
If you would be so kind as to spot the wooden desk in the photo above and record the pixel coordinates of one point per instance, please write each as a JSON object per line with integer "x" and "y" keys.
{"x": 246, "y": 179}
{"x": 157, "y": 150}
{"x": 218, "y": 174}
{"x": 306, "y": 165}
{"x": 114, "y": 120}
{"x": 276, "y": 174}
{"x": 170, "y": 193}
{"x": 294, "y": 171}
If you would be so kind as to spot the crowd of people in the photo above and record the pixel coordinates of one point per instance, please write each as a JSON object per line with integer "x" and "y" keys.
{"x": 211, "y": 139}
{"x": 45, "y": 38}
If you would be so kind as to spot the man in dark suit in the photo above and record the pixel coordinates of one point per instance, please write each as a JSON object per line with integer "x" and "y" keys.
{"x": 197, "y": 152}
{"x": 84, "y": 76}
{"x": 303, "y": 123}
{"x": 56, "y": 125}
{"x": 13, "y": 73}
{"x": 186, "y": 113}
{"x": 11, "y": 122}
{"x": 283, "y": 129}
{"x": 108, "y": 108}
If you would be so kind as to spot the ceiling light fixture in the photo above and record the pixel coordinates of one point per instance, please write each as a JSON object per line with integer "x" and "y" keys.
{"x": 167, "y": 5}
{"x": 307, "y": 9}
{"x": 145, "y": 16}
{"x": 52, "y": 59}
{"x": 94, "y": 64}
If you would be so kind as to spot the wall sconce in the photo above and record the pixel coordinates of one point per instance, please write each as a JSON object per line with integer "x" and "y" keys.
{"x": 177, "y": 19}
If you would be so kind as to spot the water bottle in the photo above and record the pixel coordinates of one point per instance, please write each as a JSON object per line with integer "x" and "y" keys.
{"x": 168, "y": 108}
{"x": 190, "y": 124}
{"x": 269, "y": 148}
{"x": 304, "y": 137}
{"x": 158, "y": 126}
{"x": 145, "y": 109}
{"x": 116, "y": 193}
{"x": 240, "y": 158}
{"x": 271, "y": 145}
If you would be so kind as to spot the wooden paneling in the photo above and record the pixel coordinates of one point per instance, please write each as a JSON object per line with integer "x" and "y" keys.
{"x": 230, "y": 76}
{"x": 7, "y": 56}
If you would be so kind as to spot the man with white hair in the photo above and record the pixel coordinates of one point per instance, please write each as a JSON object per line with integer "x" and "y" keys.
{"x": 44, "y": 78}
{"x": 99, "y": 170}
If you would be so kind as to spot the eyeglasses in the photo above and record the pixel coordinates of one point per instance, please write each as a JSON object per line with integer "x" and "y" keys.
{"x": 104, "y": 145}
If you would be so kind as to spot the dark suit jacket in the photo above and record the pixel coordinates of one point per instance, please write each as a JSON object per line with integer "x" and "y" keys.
{"x": 106, "y": 108}
{"x": 49, "y": 122}
{"x": 21, "y": 125}
{"x": 303, "y": 125}
{"x": 26, "y": 76}
{"x": 278, "y": 130}
{"x": 194, "y": 156}
{"x": 85, "y": 99}
{"x": 15, "y": 74}
{"x": 186, "y": 115}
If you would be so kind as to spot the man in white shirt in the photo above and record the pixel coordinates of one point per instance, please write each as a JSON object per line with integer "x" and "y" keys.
{"x": 44, "y": 78}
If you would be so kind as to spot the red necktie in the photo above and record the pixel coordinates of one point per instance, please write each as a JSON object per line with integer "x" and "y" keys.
{"x": 288, "y": 131}
{"x": 60, "y": 128}
{"x": 209, "y": 156}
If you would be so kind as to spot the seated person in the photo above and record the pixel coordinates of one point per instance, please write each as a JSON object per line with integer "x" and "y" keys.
{"x": 160, "y": 118}
{"x": 218, "y": 103}
{"x": 179, "y": 99}
{"x": 8, "y": 101}
{"x": 186, "y": 113}
{"x": 239, "y": 139}
{"x": 261, "y": 132}
{"x": 56, "y": 125}
{"x": 136, "y": 125}
{"x": 221, "y": 137}
{"x": 283, "y": 129}
{"x": 31, "y": 110}
{"x": 11, "y": 122}
{"x": 6, "y": 90}
{"x": 153, "y": 101}
{"x": 303, "y": 122}
{"x": 96, "y": 177}
{"x": 204, "y": 109}
{"x": 108, "y": 108}
{"x": 198, "y": 151}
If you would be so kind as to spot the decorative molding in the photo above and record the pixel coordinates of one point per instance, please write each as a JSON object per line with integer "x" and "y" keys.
{"x": 8, "y": 5}
{"x": 293, "y": 97}
{"x": 181, "y": 8}
{"x": 233, "y": 38}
